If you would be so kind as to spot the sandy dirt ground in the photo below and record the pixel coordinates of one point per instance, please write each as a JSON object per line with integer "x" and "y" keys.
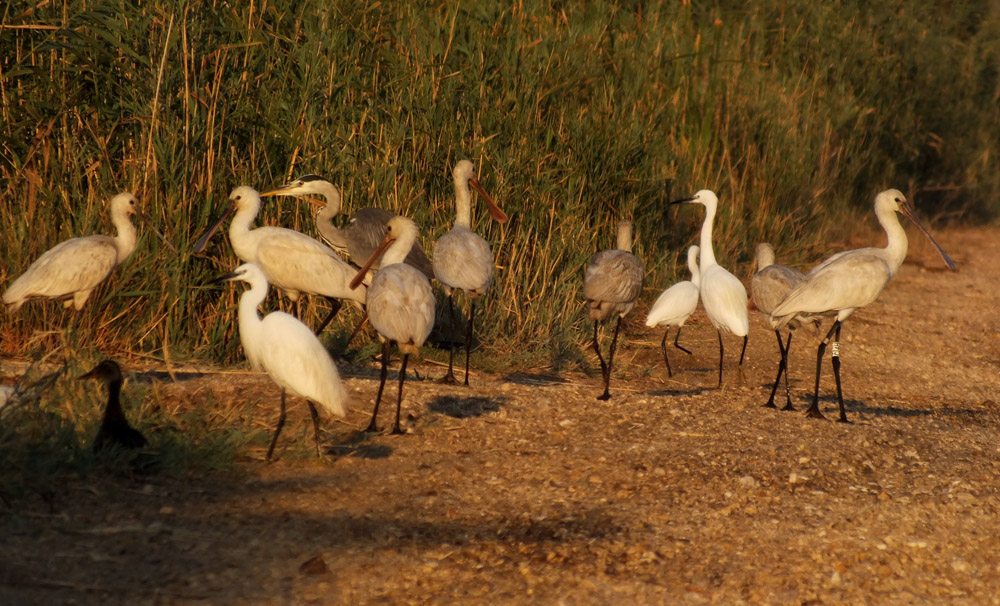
{"x": 524, "y": 489}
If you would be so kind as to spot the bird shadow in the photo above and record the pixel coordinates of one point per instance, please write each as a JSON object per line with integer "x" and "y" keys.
{"x": 693, "y": 390}
{"x": 464, "y": 408}
{"x": 357, "y": 444}
{"x": 534, "y": 379}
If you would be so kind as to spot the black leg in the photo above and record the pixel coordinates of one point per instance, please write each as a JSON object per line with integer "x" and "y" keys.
{"x": 781, "y": 371}
{"x": 357, "y": 329}
{"x": 678, "y": 345}
{"x": 277, "y": 429}
{"x": 663, "y": 346}
{"x": 372, "y": 427}
{"x": 399, "y": 400}
{"x": 450, "y": 377}
{"x": 335, "y": 305}
{"x": 720, "y": 360}
{"x": 597, "y": 350}
{"x": 835, "y": 358}
{"x": 784, "y": 364}
{"x": 468, "y": 338}
{"x": 813, "y": 410}
{"x": 611, "y": 360}
{"x": 315, "y": 417}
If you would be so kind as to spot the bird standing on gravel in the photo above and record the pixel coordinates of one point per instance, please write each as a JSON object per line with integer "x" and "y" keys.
{"x": 675, "y": 305}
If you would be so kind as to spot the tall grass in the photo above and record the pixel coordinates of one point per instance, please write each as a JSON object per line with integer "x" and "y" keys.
{"x": 796, "y": 113}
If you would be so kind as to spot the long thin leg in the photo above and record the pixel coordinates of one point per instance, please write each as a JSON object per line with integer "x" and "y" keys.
{"x": 835, "y": 358}
{"x": 720, "y": 360}
{"x": 361, "y": 324}
{"x": 611, "y": 360}
{"x": 468, "y": 338}
{"x": 335, "y": 306}
{"x": 450, "y": 377}
{"x": 372, "y": 427}
{"x": 315, "y": 417}
{"x": 813, "y": 410}
{"x": 781, "y": 371}
{"x": 784, "y": 364}
{"x": 678, "y": 345}
{"x": 399, "y": 400}
{"x": 663, "y": 346}
{"x": 604, "y": 366}
{"x": 739, "y": 366}
{"x": 277, "y": 429}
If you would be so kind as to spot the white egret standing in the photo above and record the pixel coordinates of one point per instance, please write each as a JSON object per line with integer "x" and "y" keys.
{"x": 462, "y": 259}
{"x": 290, "y": 260}
{"x": 675, "y": 305}
{"x": 611, "y": 283}
{"x": 288, "y": 351}
{"x": 363, "y": 233}
{"x": 114, "y": 429}
{"x": 767, "y": 287}
{"x": 722, "y": 294}
{"x": 848, "y": 281}
{"x": 400, "y": 304}
{"x": 76, "y": 267}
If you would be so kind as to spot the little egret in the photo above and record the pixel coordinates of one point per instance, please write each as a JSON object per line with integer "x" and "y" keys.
{"x": 76, "y": 267}
{"x": 400, "y": 304}
{"x": 363, "y": 233}
{"x": 290, "y": 260}
{"x": 722, "y": 294}
{"x": 767, "y": 287}
{"x": 114, "y": 430}
{"x": 848, "y": 281}
{"x": 288, "y": 351}
{"x": 675, "y": 305}
{"x": 462, "y": 259}
{"x": 611, "y": 283}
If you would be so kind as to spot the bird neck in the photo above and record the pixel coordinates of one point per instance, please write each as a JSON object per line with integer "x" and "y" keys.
{"x": 463, "y": 203}
{"x": 625, "y": 237}
{"x": 693, "y": 267}
{"x": 249, "y": 321}
{"x": 397, "y": 252}
{"x": 239, "y": 232}
{"x": 113, "y": 410}
{"x": 896, "y": 245}
{"x": 706, "y": 251}
{"x": 126, "y": 237}
{"x": 334, "y": 201}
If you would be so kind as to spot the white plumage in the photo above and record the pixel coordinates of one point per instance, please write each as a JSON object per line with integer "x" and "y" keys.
{"x": 290, "y": 260}
{"x": 288, "y": 352}
{"x": 675, "y": 305}
{"x": 612, "y": 282}
{"x": 462, "y": 259}
{"x": 722, "y": 294}
{"x": 848, "y": 281}
{"x": 76, "y": 267}
{"x": 400, "y": 304}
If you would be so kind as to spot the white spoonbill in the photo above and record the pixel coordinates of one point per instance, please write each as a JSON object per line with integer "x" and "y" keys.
{"x": 611, "y": 283}
{"x": 675, "y": 305}
{"x": 462, "y": 259}
{"x": 848, "y": 281}
{"x": 767, "y": 287}
{"x": 722, "y": 294}
{"x": 114, "y": 429}
{"x": 76, "y": 267}
{"x": 285, "y": 348}
{"x": 400, "y": 304}
{"x": 363, "y": 233}
{"x": 290, "y": 260}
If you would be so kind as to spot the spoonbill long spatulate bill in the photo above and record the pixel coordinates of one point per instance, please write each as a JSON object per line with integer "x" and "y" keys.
{"x": 848, "y": 281}
{"x": 722, "y": 294}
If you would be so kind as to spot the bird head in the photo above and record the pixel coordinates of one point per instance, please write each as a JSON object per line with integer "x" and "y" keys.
{"x": 464, "y": 173}
{"x": 704, "y": 196}
{"x": 107, "y": 371}
{"x": 893, "y": 200}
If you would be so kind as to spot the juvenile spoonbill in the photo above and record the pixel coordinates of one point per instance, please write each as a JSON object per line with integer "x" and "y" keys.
{"x": 400, "y": 304}
{"x": 76, "y": 267}
{"x": 722, "y": 294}
{"x": 462, "y": 259}
{"x": 767, "y": 287}
{"x": 363, "y": 233}
{"x": 114, "y": 429}
{"x": 611, "y": 283}
{"x": 675, "y": 305}
{"x": 290, "y": 260}
{"x": 848, "y": 281}
{"x": 285, "y": 348}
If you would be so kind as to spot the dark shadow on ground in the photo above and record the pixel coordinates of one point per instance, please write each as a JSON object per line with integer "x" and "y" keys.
{"x": 464, "y": 408}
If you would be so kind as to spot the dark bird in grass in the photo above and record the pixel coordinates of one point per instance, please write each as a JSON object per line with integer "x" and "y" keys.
{"x": 114, "y": 430}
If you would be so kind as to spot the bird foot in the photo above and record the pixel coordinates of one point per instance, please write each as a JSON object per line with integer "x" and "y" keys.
{"x": 788, "y": 406}
{"x": 814, "y": 413}
{"x": 770, "y": 404}
{"x": 372, "y": 428}
{"x": 397, "y": 431}
{"x": 604, "y": 396}
{"x": 448, "y": 379}
{"x": 844, "y": 420}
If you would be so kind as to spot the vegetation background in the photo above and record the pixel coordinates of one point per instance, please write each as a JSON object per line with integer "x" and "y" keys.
{"x": 577, "y": 113}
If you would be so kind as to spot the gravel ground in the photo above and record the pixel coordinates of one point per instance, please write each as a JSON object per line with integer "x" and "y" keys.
{"x": 524, "y": 489}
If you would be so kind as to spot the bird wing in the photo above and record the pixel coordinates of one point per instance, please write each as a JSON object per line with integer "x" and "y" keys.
{"x": 463, "y": 260}
{"x": 77, "y": 264}
{"x": 614, "y": 276}
{"x": 305, "y": 265}
{"x": 769, "y": 285}
{"x": 401, "y": 304}
{"x": 365, "y": 232}
{"x": 674, "y": 305}
{"x": 297, "y": 361}
{"x": 725, "y": 300}
{"x": 851, "y": 282}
